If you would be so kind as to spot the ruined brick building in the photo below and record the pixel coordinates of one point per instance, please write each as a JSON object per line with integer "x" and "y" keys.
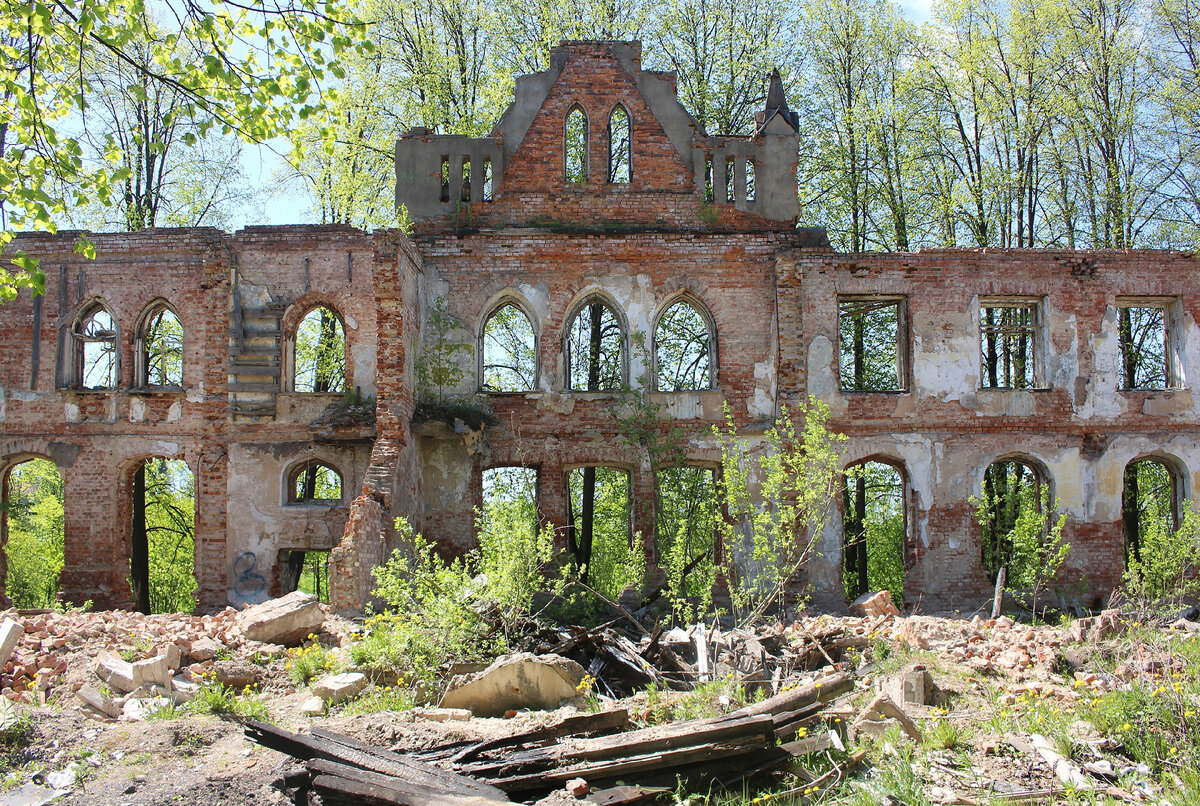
{"x": 596, "y": 190}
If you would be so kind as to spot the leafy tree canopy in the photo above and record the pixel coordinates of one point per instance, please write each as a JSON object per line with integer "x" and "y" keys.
{"x": 251, "y": 69}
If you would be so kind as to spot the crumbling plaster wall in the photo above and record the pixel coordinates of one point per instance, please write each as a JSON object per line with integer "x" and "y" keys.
{"x": 99, "y": 437}
{"x": 1079, "y": 431}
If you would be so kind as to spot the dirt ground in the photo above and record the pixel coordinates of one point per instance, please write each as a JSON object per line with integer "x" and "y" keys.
{"x": 980, "y": 671}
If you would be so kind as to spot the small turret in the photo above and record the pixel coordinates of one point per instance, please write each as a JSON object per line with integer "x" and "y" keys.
{"x": 777, "y": 106}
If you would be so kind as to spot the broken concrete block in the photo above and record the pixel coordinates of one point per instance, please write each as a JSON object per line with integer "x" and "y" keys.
{"x": 151, "y": 672}
{"x": 204, "y": 649}
{"x": 872, "y": 605}
{"x": 10, "y": 635}
{"x": 117, "y": 673}
{"x": 313, "y": 706}
{"x": 182, "y": 689}
{"x": 514, "y": 682}
{"x": 340, "y": 687}
{"x": 911, "y": 687}
{"x": 882, "y": 708}
{"x": 92, "y": 697}
{"x": 287, "y": 620}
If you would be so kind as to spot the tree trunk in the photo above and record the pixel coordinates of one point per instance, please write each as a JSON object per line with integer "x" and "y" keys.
{"x": 139, "y": 554}
{"x": 1129, "y": 513}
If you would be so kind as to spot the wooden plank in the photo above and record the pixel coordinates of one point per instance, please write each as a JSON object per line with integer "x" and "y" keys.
{"x": 635, "y": 743}
{"x": 608, "y": 769}
{"x": 822, "y": 690}
{"x": 348, "y": 751}
{"x": 392, "y": 789}
{"x": 364, "y": 794}
{"x": 570, "y": 726}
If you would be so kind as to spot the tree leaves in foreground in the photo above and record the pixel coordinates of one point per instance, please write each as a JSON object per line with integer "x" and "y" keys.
{"x": 251, "y": 70}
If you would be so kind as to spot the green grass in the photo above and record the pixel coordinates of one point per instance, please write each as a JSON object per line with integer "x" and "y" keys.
{"x": 385, "y": 698}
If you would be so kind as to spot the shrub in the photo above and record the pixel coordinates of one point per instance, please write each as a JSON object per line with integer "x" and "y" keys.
{"x": 1038, "y": 549}
{"x": 1164, "y": 573}
{"x": 770, "y": 535}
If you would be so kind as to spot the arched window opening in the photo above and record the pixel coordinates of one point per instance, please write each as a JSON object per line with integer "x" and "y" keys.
{"x": 575, "y": 145}
{"x": 1012, "y": 498}
{"x": 96, "y": 349}
{"x": 595, "y": 349}
{"x": 161, "y": 346}
{"x": 620, "y": 147}
{"x": 315, "y": 482}
{"x": 600, "y": 537}
{"x": 1150, "y": 506}
{"x": 874, "y": 530}
{"x": 306, "y": 571}
{"x": 683, "y": 350}
{"x": 162, "y": 570}
{"x": 509, "y": 351}
{"x": 33, "y": 534}
{"x": 320, "y": 353}
{"x": 687, "y": 511}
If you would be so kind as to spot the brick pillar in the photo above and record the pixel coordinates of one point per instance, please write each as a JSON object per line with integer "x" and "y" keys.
{"x": 212, "y": 563}
{"x": 96, "y": 519}
{"x": 352, "y": 560}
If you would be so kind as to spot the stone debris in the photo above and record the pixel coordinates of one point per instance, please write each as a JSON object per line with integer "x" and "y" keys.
{"x": 340, "y": 687}
{"x": 515, "y": 682}
{"x": 873, "y": 605}
{"x": 313, "y": 706}
{"x": 287, "y": 620}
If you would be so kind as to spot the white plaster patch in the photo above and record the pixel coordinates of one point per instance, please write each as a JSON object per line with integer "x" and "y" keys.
{"x": 137, "y": 410}
{"x": 763, "y": 402}
{"x": 351, "y": 322}
{"x": 175, "y": 411}
{"x": 71, "y": 412}
{"x": 821, "y": 380}
{"x": 3, "y": 404}
{"x": 1102, "y": 399}
{"x": 195, "y": 394}
{"x": 684, "y": 405}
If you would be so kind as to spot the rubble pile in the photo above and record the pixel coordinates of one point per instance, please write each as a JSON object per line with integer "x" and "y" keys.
{"x": 112, "y": 658}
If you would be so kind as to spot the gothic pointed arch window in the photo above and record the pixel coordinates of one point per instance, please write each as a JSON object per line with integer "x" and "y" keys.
{"x": 684, "y": 348}
{"x": 96, "y": 356}
{"x": 595, "y": 347}
{"x": 509, "y": 350}
{"x": 620, "y": 146}
{"x": 160, "y": 348}
{"x": 575, "y": 145}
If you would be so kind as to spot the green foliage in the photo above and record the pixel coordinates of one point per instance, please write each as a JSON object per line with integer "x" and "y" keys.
{"x": 433, "y": 612}
{"x": 439, "y": 367}
{"x": 687, "y": 532}
{"x": 217, "y": 699}
{"x": 385, "y": 698}
{"x": 306, "y": 662}
{"x": 943, "y": 734}
{"x": 1163, "y": 574}
{"x": 253, "y": 70}
{"x": 706, "y": 700}
{"x": 512, "y": 551}
{"x": 170, "y": 530}
{"x": 1037, "y": 546}
{"x": 615, "y": 557}
{"x": 35, "y": 533}
{"x": 1157, "y": 717}
{"x": 882, "y": 529}
{"x": 320, "y": 353}
{"x": 314, "y": 575}
{"x": 509, "y": 356}
{"x": 777, "y": 503}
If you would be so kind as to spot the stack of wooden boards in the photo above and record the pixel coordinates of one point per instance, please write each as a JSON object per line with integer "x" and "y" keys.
{"x": 594, "y": 747}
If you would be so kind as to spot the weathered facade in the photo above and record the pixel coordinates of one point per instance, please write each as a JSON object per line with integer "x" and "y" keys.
{"x": 542, "y": 218}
